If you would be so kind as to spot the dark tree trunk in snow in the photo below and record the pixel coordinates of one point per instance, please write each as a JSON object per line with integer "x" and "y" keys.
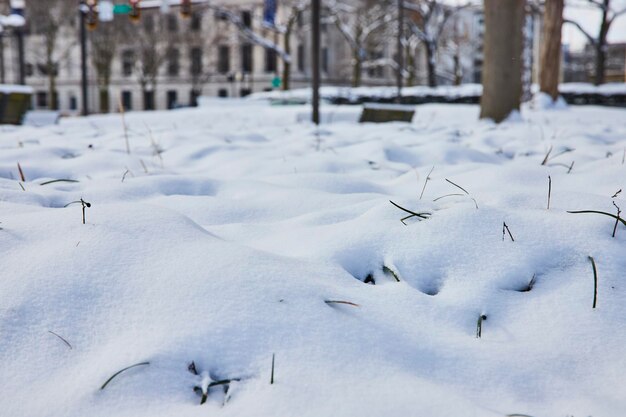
{"x": 430, "y": 64}
{"x": 551, "y": 48}
{"x": 502, "y": 69}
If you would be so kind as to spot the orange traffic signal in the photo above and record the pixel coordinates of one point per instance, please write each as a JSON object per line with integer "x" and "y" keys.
{"x": 135, "y": 12}
{"x": 185, "y": 8}
{"x": 91, "y": 14}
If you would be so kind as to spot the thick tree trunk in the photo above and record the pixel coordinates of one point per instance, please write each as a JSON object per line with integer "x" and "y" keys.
{"x": 550, "y": 58}
{"x": 52, "y": 88}
{"x": 104, "y": 100}
{"x": 357, "y": 70}
{"x": 600, "y": 63}
{"x": 430, "y": 65}
{"x": 287, "y": 64}
{"x": 602, "y": 43}
{"x": 502, "y": 68}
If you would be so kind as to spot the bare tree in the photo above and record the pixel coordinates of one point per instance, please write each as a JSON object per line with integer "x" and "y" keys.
{"x": 551, "y": 48}
{"x": 104, "y": 44}
{"x": 609, "y": 13}
{"x": 295, "y": 8}
{"x": 49, "y": 18}
{"x": 502, "y": 69}
{"x": 427, "y": 22}
{"x": 360, "y": 22}
{"x": 150, "y": 42}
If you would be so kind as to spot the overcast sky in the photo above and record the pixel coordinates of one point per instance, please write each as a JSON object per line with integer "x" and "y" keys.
{"x": 588, "y": 17}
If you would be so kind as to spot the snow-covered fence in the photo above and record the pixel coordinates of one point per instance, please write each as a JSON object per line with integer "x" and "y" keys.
{"x": 574, "y": 93}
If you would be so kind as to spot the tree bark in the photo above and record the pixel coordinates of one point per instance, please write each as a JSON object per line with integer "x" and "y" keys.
{"x": 357, "y": 70}
{"x": 502, "y": 68}
{"x": 551, "y": 49}
{"x": 104, "y": 100}
{"x": 52, "y": 88}
{"x": 430, "y": 64}
{"x": 287, "y": 64}
{"x": 602, "y": 44}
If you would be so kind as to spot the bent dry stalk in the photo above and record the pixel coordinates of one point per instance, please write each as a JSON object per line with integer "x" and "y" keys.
{"x": 479, "y": 325}
{"x": 595, "y": 281}
{"x": 122, "y": 370}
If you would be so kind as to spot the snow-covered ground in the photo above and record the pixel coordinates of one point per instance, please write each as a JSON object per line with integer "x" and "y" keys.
{"x": 223, "y": 233}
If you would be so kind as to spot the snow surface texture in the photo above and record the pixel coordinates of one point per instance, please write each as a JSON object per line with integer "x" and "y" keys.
{"x": 221, "y": 235}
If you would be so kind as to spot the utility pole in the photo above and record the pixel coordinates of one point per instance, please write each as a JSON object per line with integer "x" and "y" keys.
{"x": 19, "y": 33}
{"x": 17, "y": 8}
{"x": 316, "y": 16}
{"x": 400, "y": 49}
{"x": 83, "y": 58}
{"x": 2, "y": 70}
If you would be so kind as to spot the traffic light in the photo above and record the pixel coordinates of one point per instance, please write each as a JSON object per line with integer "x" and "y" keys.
{"x": 185, "y": 8}
{"x": 91, "y": 14}
{"x": 135, "y": 10}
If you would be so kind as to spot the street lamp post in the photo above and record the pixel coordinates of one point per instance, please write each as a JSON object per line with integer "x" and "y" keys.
{"x": 400, "y": 48}
{"x": 83, "y": 59}
{"x": 316, "y": 15}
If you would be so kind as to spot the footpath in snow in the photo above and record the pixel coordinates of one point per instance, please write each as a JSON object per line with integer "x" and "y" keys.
{"x": 231, "y": 234}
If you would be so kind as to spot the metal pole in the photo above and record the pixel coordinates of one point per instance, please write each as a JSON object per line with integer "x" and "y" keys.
{"x": 315, "y": 16}
{"x": 400, "y": 48}
{"x": 20, "y": 54}
{"x": 83, "y": 59}
{"x": 2, "y": 70}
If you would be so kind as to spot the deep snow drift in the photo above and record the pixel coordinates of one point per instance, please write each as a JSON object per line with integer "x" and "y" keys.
{"x": 221, "y": 235}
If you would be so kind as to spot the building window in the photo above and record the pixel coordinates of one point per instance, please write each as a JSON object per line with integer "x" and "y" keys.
{"x": 196, "y": 61}
{"x": 127, "y": 100}
{"x": 172, "y": 99}
{"x": 245, "y": 92}
{"x": 301, "y": 61}
{"x": 196, "y": 22}
{"x": 148, "y": 23}
{"x": 246, "y": 19}
{"x": 73, "y": 102}
{"x": 42, "y": 99}
{"x": 246, "y": 58}
{"x": 270, "y": 60}
{"x": 223, "y": 59}
{"x": 325, "y": 59}
{"x": 29, "y": 69}
{"x": 172, "y": 23}
{"x": 128, "y": 60}
{"x": 148, "y": 100}
{"x": 222, "y": 92}
{"x": 193, "y": 98}
{"x": 173, "y": 62}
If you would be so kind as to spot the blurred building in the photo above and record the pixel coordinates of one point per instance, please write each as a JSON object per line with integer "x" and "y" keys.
{"x": 579, "y": 66}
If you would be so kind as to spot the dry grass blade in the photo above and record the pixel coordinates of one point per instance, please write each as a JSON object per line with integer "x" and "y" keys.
{"x": 329, "y": 302}
{"x": 272, "y": 377}
{"x": 479, "y": 325}
{"x": 120, "y": 371}
{"x": 62, "y": 339}
{"x": 595, "y": 281}
{"x": 391, "y": 272}
{"x": 412, "y": 213}
{"x": 549, "y": 190}
{"x": 60, "y": 180}
{"x": 505, "y": 230}
{"x": 448, "y": 195}
{"x": 547, "y": 158}
{"x": 458, "y": 186}
{"x": 599, "y": 212}
{"x": 426, "y": 181}
{"x": 19, "y": 168}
